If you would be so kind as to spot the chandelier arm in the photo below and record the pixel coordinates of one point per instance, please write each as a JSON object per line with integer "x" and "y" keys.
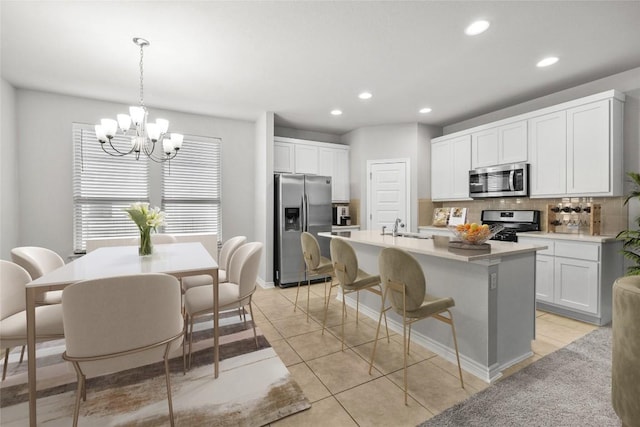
{"x": 118, "y": 152}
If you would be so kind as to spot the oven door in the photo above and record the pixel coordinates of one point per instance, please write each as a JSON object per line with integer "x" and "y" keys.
{"x": 499, "y": 181}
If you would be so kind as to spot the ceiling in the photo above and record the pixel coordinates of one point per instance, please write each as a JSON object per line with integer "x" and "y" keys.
{"x": 301, "y": 59}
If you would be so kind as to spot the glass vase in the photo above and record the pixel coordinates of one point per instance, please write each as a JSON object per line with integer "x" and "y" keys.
{"x": 146, "y": 248}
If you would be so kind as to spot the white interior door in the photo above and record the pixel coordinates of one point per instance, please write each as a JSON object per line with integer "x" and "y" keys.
{"x": 388, "y": 194}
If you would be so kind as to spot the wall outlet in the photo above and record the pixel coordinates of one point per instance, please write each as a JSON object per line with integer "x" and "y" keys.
{"x": 493, "y": 281}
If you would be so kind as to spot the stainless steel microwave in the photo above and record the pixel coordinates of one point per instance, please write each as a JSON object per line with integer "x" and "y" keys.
{"x": 500, "y": 181}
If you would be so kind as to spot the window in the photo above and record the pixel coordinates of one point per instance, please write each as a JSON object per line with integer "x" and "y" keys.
{"x": 103, "y": 186}
{"x": 191, "y": 188}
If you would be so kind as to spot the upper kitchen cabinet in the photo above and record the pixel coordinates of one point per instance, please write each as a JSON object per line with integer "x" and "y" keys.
{"x": 499, "y": 145}
{"x": 450, "y": 165}
{"x": 283, "y": 157}
{"x": 577, "y": 150}
{"x": 315, "y": 158}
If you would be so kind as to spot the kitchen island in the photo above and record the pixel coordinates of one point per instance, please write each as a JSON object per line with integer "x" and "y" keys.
{"x": 493, "y": 289}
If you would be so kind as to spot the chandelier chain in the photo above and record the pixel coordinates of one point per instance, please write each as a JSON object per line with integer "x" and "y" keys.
{"x": 141, "y": 76}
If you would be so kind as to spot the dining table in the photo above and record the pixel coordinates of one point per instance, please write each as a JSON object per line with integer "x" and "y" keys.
{"x": 177, "y": 259}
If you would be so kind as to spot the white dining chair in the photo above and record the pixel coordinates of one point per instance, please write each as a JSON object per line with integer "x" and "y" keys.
{"x": 236, "y": 293}
{"x": 228, "y": 249}
{"x": 39, "y": 261}
{"x": 13, "y": 317}
{"x": 118, "y": 323}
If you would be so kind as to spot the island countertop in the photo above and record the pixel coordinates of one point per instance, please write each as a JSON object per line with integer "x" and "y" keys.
{"x": 437, "y": 247}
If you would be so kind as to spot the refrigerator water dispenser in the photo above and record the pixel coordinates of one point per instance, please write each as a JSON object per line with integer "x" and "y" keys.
{"x": 291, "y": 219}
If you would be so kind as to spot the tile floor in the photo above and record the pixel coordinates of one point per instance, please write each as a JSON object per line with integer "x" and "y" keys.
{"x": 338, "y": 383}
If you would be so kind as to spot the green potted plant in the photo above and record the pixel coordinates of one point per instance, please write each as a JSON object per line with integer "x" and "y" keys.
{"x": 631, "y": 238}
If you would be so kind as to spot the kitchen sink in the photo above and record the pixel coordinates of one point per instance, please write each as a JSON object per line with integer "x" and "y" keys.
{"x": 409, "y": 235}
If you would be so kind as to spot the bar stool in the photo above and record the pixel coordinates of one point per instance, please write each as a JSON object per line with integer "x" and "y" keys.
{"x": 405, "y": 285}
{"x": 315, "y": 265}
{"x": 351, "y": 279}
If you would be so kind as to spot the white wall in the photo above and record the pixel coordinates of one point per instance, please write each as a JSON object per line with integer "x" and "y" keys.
{"x": 45, "y": 150}
{"x": 306, "y": 134}
{"x": 381, "y": 143}
{"x": 9, "y": 197}
{"x": 263, "y": 215}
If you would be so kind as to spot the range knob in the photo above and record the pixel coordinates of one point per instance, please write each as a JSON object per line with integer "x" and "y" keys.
{"x": 556, "y": 222}
{"x": 587, "y": 209}
{"x": 566, "y": 209}
{"x": 555, "y": 209}
{"x": 577, "y": 209}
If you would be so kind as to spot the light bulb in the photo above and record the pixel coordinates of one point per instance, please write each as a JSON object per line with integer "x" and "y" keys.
{"x": 137, "y": 115}
{"x": 167, "y": 146}
{"x": 124, "y": 121}
{"x": 100, "y": 135}
{"x": 176, "y": 140}
{"x": 163, "y": 125}
{"x": 110, "y": 127}
{"x": 153, "y": 130}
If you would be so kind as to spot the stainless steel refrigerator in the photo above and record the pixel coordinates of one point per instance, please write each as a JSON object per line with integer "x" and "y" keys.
{"x": 302, "y": 203}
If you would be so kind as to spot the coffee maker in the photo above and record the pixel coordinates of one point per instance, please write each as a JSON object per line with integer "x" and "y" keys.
{"x": 341, "y": 215}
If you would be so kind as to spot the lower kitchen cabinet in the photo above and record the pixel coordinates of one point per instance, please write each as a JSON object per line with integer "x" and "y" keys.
{"x": 575, "y": 279}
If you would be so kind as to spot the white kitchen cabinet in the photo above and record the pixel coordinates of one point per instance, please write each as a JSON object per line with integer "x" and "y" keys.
{"x": 306, "y": 158}
{"x": 589, "y": 149}
{"x": 499, "y": 145}
{"x": 283, "y": 157}
{"x": 334, "y": 162}
{"x": 548, "y": 154}
{"x": 316, "y": 158}
{"x": 577, "y": 151}
{"x": 450, "y": 165}
{"x": 574, "y": 278}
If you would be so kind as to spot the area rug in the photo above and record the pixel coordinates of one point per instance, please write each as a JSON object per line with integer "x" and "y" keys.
{"x": 254, "y": 387}
{"x": 569, "y": 387}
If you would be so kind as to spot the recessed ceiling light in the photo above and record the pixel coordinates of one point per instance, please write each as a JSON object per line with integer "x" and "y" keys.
{"x": 365, "y": 95}
{"x": 547, "y": 61}
{"x": 336, "y": 112}
{"x": 425, "y": 110}
{"x": 476, "y": 28}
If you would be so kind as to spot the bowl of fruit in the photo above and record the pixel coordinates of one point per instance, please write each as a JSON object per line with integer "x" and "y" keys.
{"x": 474, "y": 234}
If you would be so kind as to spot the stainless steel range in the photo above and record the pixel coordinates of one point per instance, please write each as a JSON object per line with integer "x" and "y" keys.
{"x": 514, "y": 221}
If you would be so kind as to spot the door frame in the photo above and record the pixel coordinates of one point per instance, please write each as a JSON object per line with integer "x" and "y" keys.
{"x": 407, "y": 165}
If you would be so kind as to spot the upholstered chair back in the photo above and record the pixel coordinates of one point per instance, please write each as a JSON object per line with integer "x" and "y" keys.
{"x": 310, "y": 250}
{"x": 13, "y": 278}
{"x": 228, "y": 248}
{"x": 117, "y": 314}
{"x": 156, "y": 239}
{"x": 345, "y": 262}
{"x": 243, "y": 268}
{"x": 399, "y": 266}
{"x": 36, "y": 260}
{"x": 625, "y": 374}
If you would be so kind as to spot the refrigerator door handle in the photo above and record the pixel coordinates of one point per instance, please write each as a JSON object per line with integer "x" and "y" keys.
{"x": 305, "y": 213}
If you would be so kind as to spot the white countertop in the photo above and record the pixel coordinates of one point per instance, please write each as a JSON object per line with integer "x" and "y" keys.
{"x": 544, "y": 235}
{"x": 345, "y": 227}
{"x": 437, "y": 248}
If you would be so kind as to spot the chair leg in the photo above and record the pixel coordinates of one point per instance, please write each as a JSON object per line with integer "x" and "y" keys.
{"x": 255, "y": 335}
{"x": 375, "y": 342}
{"x": 166, "y": 374}
{"x": 405, "y": 349}
{"x": 190, "y": 339}
{"x": 326, "y": 309}
{"x": 22, "y": 353}
{"x": 409, "y": 342}
{"x": 308, "y": 294}
{"x": 344, "y": 310}
{"x": 357, "y": 305}
{"x": 79, "y": 394}
{"x": 295, "y": 304}
{"x": 6, "y": 362}
{"x": 455, "y": 343}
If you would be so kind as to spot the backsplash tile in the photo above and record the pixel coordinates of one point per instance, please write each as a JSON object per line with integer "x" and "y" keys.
{"x": 613, "y": 219}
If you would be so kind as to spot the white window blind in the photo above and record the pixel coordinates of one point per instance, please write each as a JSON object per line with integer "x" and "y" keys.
{"x": 103, "y": 186}
{"x": 191, "y": 187}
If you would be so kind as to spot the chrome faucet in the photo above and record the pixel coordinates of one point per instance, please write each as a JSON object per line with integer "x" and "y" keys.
{"x": 395, "y": 226}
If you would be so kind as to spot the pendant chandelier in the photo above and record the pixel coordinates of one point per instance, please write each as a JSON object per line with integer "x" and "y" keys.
{"x": 144, "y": 135}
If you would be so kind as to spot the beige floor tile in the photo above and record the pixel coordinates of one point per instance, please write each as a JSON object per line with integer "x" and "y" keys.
{"x": 267, "y": 329}
{"x": 433, "y": 387}
{"x": 389, "y": 356}
{"x": 295, "y": 325}
{"x": 472, "y": 383}
{"x": 342, "y": 370}
{"x": 326, "y": 412}
{"x": 310, "y": 384}
{"x": 314, "y": 344}
{"x": 355, "y": 334}
{"x": 381, "y": 403}
{"x": 285, "y": 352}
